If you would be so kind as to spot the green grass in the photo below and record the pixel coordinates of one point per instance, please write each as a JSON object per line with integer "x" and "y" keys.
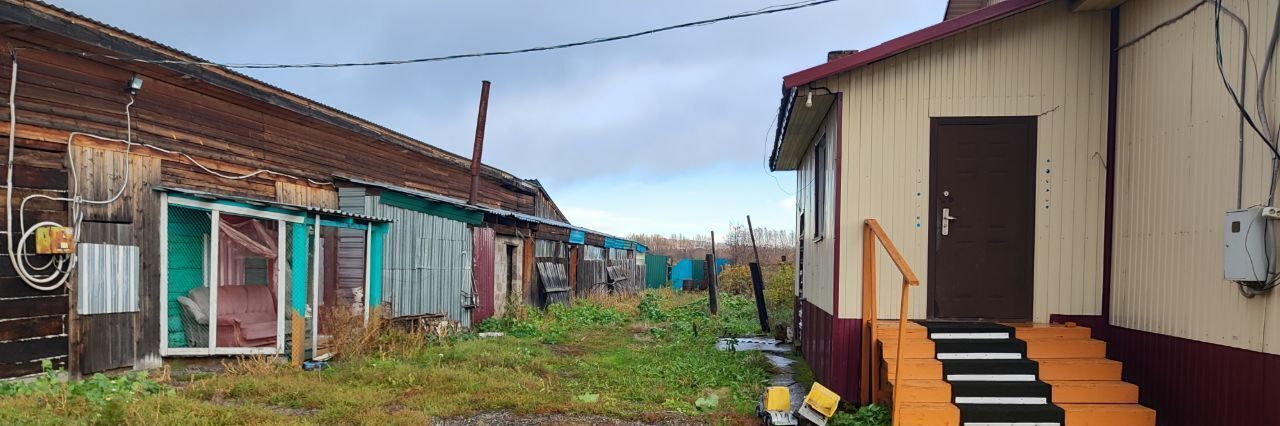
{"x": 650, "y": 358}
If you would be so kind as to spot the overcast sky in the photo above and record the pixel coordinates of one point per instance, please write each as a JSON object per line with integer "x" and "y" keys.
{"x": 662, "y": 134}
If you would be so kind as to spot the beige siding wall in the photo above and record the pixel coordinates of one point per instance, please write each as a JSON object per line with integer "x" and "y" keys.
{"x": 1045, "y": 62}
{"x": 819, "y": 254}
{"x": 1177, "y": 175}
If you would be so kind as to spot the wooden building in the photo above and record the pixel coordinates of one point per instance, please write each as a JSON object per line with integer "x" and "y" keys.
{"x": 215, "y": 214}
{"x": 1035, "y": 162}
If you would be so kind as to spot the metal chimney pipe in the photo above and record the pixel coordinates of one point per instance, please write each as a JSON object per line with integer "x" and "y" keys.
{"x": 479, "y": 146}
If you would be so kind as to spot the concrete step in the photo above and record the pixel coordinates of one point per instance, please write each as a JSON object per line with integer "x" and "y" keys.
{"x": 1094, "y": 392}
{"x": 1065, "y": 369}
{"x": 1109, "y": 415}
{"x": 1066, "y": 348}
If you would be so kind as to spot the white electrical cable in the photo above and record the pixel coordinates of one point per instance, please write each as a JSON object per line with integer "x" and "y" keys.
{"x": 63, "y": 266}
{"x": 59, "y": 276}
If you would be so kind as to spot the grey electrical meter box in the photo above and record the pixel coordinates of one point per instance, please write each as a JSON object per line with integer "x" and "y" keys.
{"x": 1245, "y": 257}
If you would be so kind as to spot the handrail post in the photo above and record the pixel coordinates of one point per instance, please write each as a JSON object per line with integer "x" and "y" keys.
{"x": 869, "y": 382}
{"x": 902, "y": 341}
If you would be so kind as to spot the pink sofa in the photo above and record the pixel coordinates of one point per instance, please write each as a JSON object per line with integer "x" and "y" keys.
{"x": 246, "y": 314}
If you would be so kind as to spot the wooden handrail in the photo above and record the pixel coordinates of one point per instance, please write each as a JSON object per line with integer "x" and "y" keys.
{"x": 872, "y": 232}
{"x": 910, "y": 277}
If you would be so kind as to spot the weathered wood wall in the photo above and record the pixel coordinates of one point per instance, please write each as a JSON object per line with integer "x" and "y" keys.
{"x": 227, "y": 131}
{"x": 307, "y": 195}
{"x": 33, "y": 323}
{"x": 108, "y": 341}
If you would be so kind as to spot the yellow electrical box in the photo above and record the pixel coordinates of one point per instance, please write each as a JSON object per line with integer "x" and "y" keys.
{"x": 54, "y": 240}
{"x": 777, "y": 398}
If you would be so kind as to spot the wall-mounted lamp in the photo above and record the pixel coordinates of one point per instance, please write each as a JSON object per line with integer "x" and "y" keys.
{"x": 134, "y": 85}
{"x": 808, "y": 100}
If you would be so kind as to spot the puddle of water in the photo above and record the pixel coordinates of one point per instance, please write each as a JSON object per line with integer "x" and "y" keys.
{"x": 773, "y": 351}
{"x": 762, "y": 344}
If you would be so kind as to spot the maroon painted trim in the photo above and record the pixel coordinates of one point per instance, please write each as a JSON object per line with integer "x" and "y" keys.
{"x": 915, "y": 39}
{"x": 1108, "y": 223}
{"x": 1196, "y": 383}
{"x": 826, "y": 343}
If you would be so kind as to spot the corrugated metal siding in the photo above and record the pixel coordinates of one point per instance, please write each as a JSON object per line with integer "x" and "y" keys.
{"x": 656, "y": 270}
{"x": 427, "y": 263}
{"x": 108, "y": 279}
{"x": 352, "y": 200}
{"x": 482, "y": 272}
{"x": 1176, "y": 176}
{"x": 1045, "y": 62}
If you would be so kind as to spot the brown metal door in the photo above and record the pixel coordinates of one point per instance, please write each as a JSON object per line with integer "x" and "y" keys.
{"x": 982, "y": 218}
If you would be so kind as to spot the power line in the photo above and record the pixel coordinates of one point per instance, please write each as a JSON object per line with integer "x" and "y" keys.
{"x": 763, "y": 11}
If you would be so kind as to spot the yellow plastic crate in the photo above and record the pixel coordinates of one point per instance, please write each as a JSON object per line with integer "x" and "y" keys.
{"x": 777, "y": 398}
{"x": 822, "y": 400}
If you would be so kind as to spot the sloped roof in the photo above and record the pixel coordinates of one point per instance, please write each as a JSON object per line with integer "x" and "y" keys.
{"x": 901, "y": 44}
{"x": 107, "y": 38}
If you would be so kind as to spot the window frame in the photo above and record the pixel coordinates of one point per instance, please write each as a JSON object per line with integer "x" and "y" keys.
{"x": 820, "y": 187}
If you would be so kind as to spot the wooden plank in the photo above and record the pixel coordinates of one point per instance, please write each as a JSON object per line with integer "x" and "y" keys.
{"x": 27, "y": 350}
{"x": 27, "y": 328}
{"x": 33, "y": 307}
{"x": 304, "y": 195}
{"x": 94, "y": 232}
{"x": 12, "y": 287}
{"x": 146, "y": 233}
{"x": 39, "y": 178}
{"x": 28, "y": 368}
{"x": 35, "y": 158}
{"x": 106, "y": 342}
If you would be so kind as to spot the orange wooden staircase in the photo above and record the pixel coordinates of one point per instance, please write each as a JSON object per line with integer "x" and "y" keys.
{"x": 1080, "y": 380}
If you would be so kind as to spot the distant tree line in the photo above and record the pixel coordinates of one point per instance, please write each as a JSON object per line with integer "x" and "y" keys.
{"x": 774, "y": 245}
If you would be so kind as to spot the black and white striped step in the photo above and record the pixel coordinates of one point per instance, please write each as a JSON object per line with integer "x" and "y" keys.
{"x": 997, "y": 370}
{"x": 992, "y": 381}
{"x": 1010, "y": 415}
{"x": 988, "y": 349}
{"x": 967, "y": 330}
{"x": 1022, "y": 393}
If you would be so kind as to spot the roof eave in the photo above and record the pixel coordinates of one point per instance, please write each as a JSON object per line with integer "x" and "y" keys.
{"x": 784, "y": 112}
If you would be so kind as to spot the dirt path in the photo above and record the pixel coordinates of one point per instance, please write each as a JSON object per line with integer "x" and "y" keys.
{"x": 508, "y": 418}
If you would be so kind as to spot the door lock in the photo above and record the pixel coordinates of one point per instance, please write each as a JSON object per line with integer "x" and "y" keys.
{"x": 946, "y": 220}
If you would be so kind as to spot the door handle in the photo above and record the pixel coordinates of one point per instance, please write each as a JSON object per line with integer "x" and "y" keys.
{"x": 946, "y": 220}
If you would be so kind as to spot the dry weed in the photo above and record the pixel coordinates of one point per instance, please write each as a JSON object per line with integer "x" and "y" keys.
{"x": 622, "y": 302}
{"x": 164, "y": 374}
{"x": 352, "y": 337}
{"x": 253, "y": 365}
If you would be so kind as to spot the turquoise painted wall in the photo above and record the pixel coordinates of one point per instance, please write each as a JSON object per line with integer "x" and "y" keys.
{"x": 188, "y": 232}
